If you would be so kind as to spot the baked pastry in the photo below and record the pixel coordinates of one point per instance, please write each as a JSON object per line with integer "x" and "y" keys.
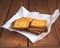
{"x": 38, "y": 23}
{"x": 22, "y": 23}
{"x": 33, "y": 25}
{"x": 38, "y": 29}
{"x": 38, "y": 26}
{"x": 35, "y": 32}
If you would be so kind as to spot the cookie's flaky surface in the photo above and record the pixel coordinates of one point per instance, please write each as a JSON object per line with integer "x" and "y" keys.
{"x": 39, "y": 23}
{"x": 22, "y": 23}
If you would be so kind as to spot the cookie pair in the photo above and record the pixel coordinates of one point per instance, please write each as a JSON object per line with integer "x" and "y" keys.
{"x": 32, "y": 25}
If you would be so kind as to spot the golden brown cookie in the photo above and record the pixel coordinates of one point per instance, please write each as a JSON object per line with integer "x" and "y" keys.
{"x": 38, "y": 29}
{"x": 38, "y": 23}
{"x": 22, "y": 23}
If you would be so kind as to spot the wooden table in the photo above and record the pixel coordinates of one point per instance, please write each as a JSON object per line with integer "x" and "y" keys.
{"x": 12, "y": 39}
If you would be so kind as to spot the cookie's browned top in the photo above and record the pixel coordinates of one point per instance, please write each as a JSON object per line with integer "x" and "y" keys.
{"x": 30, "y": 24}
{"x": 22, "y": 23}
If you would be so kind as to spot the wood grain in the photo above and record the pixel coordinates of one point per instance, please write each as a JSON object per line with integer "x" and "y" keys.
{"x": 4, "y": 8}
{"x": 10, "y": 39}
{"x": 42, "y": 7}
{"x": 52, "y": 7}
{"x": 57, "y": 22}
{"x": 13, "y": 39}
{"x": 42, "y": 47}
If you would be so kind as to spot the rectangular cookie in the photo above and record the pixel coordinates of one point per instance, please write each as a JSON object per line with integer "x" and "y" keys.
{"x": 22, "y": 23}
{"x": 34, "y": 31}
{"x": 38, "y": 23}
{"x": 38, "y": 29}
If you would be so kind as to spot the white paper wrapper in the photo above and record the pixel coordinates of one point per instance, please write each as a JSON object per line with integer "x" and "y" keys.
{"x": 25, "y": 13}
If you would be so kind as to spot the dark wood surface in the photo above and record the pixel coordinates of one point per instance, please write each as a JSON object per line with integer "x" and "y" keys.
{"x": 12, "y": 39}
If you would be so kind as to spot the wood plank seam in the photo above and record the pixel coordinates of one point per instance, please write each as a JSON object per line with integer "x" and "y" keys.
{"x": 27, "y": 38}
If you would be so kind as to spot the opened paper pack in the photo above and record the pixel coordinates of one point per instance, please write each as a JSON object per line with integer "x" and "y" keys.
{"x": 35, "y": 15}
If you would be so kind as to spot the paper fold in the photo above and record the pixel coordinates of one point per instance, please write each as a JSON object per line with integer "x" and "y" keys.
{"x": 25, "y": 13}
{"x": 55, "y": 15}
